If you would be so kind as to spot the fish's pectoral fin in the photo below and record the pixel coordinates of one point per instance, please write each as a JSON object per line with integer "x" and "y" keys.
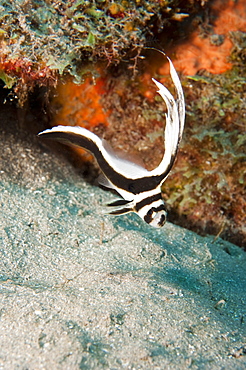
{"x": 120, "y": 207}
{"x": 104, "y": 181}
{"x": 121, "y": 211}
{"x": 119, "y": 202}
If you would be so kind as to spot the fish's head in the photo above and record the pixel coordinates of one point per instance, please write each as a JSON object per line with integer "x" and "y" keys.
{"x": 156, "y": 216}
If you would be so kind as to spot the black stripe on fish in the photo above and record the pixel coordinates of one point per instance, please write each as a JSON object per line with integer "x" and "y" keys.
{"x": 147, "y": 201}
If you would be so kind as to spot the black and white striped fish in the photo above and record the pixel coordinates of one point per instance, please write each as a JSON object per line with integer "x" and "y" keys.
{"x": 139, "y": 188}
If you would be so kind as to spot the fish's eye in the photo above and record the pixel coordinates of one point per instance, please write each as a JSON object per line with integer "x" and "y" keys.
{"x": 149, "y": 216}
{"x": 150, "y": 212}
{"x": 162, "y": 220}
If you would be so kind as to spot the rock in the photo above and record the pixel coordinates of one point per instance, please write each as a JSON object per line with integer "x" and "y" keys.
{"x": 83, "y": 290}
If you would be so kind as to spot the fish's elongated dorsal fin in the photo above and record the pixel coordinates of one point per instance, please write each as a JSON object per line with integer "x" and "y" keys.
{"x": 101, "y": 149}
{"x": 139, "y": 188}
{"x": 174, "y": 123}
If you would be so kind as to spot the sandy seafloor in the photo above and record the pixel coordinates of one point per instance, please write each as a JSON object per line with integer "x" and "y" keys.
{"x": 83, "y": 290}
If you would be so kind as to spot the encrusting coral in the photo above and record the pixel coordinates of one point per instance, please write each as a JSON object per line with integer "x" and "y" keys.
{"x": 42, "y": 40}
{"x": 80, "y": 105}
{"x": 210, "y": 45}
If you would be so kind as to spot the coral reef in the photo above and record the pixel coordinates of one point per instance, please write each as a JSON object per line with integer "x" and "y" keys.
{"x": 42, "y": 39}
{"x": 211, "y": 167}
{"x": 210, "y": 45}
